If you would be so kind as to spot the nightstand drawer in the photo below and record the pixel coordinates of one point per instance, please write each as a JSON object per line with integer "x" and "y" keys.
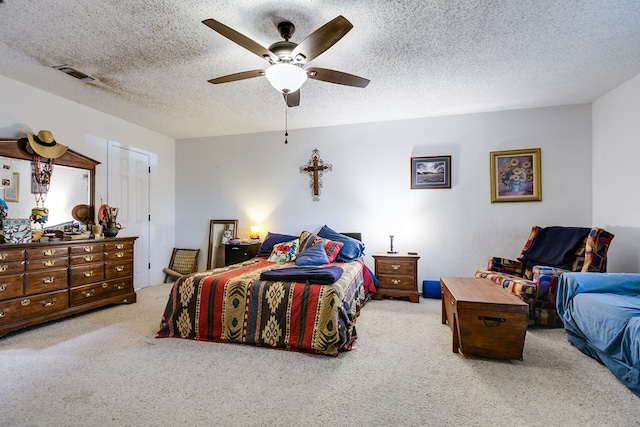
{"x": 396, "y": 267}
{"x": 397, "y": 282}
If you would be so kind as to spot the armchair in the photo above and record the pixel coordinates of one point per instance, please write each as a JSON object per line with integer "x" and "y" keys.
{"x": 537, "y": 284}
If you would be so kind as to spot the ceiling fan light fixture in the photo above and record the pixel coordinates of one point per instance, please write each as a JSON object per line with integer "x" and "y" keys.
{"x": 285, "y": 78}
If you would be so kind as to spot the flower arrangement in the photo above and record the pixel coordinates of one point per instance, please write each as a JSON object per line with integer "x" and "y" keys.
{"x": 516, "y": 174}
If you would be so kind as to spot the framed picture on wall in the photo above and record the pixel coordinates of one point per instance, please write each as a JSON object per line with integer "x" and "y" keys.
{"x": 515, "y": 175}
{"x": 431, "y": 172}
{"x": 12, "y": 192}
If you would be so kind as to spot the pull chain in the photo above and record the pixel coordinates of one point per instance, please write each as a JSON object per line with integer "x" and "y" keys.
{"x": 286, "y": 118}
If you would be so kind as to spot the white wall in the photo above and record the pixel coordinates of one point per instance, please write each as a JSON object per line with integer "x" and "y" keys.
{"x": 255, "y": 178}
{"x": 616, "y": 190}
{"x": 24, "y": 108}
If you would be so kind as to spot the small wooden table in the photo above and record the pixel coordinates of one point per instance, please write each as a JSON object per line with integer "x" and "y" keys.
{"x": 398, "y": 275}
{"x": 485, "y": 320}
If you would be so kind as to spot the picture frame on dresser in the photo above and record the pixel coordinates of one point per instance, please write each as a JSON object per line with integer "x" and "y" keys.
{"x": 431, "y": 172}
{"x": 217, "y": 228}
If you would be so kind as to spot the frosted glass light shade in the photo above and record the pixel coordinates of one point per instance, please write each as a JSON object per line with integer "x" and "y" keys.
{"x": 286, "y": 78}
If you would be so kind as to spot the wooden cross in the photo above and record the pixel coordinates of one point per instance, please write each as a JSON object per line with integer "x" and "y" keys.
{"x": 315, "y": 167}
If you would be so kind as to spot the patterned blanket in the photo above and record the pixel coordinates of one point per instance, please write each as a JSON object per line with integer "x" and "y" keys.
{"x": 232, "y": 304}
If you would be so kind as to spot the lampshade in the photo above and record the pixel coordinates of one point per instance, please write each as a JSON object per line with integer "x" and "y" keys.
{"x": 285, "y": 77}
{"x": 255, "y": 232}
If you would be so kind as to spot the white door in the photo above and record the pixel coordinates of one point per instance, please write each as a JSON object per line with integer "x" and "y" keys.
{"x": 128, "y": 190}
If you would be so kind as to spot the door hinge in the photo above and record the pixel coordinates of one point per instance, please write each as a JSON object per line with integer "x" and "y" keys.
{"x": 149, "y": 266}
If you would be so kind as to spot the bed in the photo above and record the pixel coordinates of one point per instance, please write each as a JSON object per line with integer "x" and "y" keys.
{"x": 241, "y": 303}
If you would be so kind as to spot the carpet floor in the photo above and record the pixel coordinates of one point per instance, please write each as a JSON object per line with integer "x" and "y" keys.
{"x": 106, "y": 368}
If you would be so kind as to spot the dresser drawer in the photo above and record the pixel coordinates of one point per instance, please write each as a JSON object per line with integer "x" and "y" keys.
{"x": 11, "y": 267}
{"x": 98, "y": 291}
{"x": 118, "y": 246}
{"x": 119, "y": 255}
{"x": 45, "y": 281}
{"x": 87, "y": 258}
{"x": 46, "y": 263}
{"x": 11, "y": 255}
{"x": 92, "y": 248}
{"x": 88, "y": 273}
{"x": 394, "y": 267}
{"x": 397, "y": 282}
{"x": 11, "y": 286}
{"x": 47, "y": 252}
{"x": 33, "y": 306}
{"x": 118, "y": 269}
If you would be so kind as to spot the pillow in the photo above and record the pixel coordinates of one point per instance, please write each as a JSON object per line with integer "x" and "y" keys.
{"x": 285, "y": 252}
{"x": 351, "y": 250}
{"x": 272, "y": 239}
{"x": 315, "y": 255}
{"x": 332, "y": 248}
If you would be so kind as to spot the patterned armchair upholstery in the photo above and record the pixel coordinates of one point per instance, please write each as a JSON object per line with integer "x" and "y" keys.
{"x": 537, "y": 285}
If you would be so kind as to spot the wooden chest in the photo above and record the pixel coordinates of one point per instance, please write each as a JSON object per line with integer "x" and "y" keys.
{"x": 485, "y": 320}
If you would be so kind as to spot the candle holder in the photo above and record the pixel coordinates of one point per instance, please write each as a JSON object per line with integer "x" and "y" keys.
{"x": 391, "y": 251}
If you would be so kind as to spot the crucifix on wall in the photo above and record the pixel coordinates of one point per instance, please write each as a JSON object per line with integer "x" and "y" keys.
{"x": 315, "y": 167}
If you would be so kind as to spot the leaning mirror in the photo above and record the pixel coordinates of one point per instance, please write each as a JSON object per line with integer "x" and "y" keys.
{"x": 220, "y": 231}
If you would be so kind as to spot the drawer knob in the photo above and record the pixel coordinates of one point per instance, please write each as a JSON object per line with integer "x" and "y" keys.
{"x": 119, "y": 246}
{"x": 25, "y": 302}
{"x": 119, "y": 254}
{"x": 120, "y": 286}
{"x": 395, "y": 266}
{"x": 49, "y": 263}
{"x": 89, "y": 293}
{"x": 49, "y": 279}
{"x": 48, "y": 252}
{"x": 3, "y": 256}
{"x": 3, "y": 312}
{"x": 48, "y": 302}
{"x": 88, "y": 248}
{"x": 3, "y": 287}
{"x": 88, "y": 273}
{"x": 120, "y": 268}
{"x": 88, "y": 257}
{"x": 395, "y": 281}
{"x": 4, "y": 267}
{"x": 104, "y": 285}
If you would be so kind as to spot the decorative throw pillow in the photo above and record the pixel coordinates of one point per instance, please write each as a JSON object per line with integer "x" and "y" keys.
{"x": 315, "y": 255}
{"x": 270, "y": 240}
{"x": 332, "y": 248}
{"x": 352, "y": 248}
{"x": 285, "y": 252}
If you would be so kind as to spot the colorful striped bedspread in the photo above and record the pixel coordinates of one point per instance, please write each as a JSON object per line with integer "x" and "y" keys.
{"x": 232, "y": 304}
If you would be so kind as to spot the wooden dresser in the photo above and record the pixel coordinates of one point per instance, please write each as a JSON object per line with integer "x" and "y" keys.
{"x": 398, "y": 275}
{"x": 40, "y": 282}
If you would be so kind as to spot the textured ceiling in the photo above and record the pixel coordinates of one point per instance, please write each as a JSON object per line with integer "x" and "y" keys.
{"x": 152, "y": 58}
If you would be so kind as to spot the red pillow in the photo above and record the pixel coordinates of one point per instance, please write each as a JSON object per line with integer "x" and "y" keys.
{"x": 331, "y": 247}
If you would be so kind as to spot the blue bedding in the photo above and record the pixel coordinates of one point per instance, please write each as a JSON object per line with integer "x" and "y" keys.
{"x": 601, "y": 314}
{"x": 310, "y": 275}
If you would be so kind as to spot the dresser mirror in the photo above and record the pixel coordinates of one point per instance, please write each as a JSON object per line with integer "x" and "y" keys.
{"x": 72, "y": 184}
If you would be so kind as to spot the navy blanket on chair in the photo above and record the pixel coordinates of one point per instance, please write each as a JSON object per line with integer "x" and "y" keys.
{"x": 317, "y": 275}
{"x": 554, "y": 246}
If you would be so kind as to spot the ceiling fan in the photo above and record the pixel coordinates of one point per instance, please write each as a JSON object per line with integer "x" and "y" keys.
{"x": 287, "y": 70}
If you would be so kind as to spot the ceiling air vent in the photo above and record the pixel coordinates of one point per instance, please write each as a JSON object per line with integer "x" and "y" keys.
{"x": 74, "y": 73}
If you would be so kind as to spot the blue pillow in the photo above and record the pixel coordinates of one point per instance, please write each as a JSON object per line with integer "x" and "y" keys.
{"x": 352, "y": 249}
{"x": 271, "y": 240}
{"x": 315, "y": 255}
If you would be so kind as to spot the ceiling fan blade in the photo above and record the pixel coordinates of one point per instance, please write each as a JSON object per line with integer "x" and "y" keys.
{"x": 337, "y": 77}
{"x": 237, "y": 76}
{"x": 322, "y": 39}
{"x": 292, "y": 99}
{"x": 240, "y": 39}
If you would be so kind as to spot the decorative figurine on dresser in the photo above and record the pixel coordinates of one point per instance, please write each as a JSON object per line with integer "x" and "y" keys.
{"x": 51, "y": 273}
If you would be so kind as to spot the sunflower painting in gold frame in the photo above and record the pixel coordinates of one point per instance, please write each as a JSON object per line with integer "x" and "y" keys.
{"x": 515, "y": 176}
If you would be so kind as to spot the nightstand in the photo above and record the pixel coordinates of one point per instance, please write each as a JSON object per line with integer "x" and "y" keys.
{"x": 398, "y": 275}
{"x": 235, "y": 253}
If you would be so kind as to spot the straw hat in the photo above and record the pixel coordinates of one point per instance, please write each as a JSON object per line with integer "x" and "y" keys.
{"x": 45, "y": 145}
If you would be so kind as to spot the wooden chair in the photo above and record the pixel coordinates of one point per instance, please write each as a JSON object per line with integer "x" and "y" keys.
{"x": 183, "y": 261}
